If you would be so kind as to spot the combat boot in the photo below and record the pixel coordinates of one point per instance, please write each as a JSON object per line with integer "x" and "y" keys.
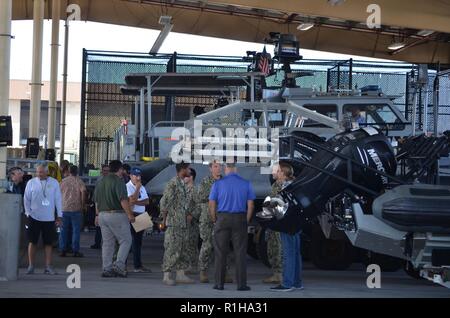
{"x": 167, "y": 280}
{"x": 182, "y": 278}
{"x": 274, "y": 279}
{"x": 204, "y": 277}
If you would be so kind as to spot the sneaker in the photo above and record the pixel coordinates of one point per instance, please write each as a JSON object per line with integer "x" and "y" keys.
{"x": 244, "y": 288}
{"x": 142, "y": 269}
{"x": 78, "y": 254}
{"x": 120, "y": 272}
{"x": 50, "y": 271}
{"x": 30, "y": 270}
{"x": 299, "y": 288}
{"x": 108, "y": 274}
{"x": 281, "y": 288}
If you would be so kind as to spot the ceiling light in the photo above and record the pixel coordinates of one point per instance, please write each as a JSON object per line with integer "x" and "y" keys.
{"x": 425, "y": 33}
{"x": 335, "y": 2}
{"x": 396, "y": 46}
{"x": 305, "y": 26}
{"x": 166, "y": 21}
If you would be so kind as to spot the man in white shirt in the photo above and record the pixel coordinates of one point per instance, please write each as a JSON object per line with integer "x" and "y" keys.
{"x": 42, "y": 196}
{"x": 138, "y": 200}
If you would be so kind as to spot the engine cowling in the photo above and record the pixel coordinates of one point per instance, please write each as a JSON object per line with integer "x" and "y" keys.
{"x": 308, "y": 194}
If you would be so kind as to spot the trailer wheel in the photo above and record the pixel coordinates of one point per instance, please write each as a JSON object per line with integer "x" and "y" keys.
{"x": 330, "y": 254}
{"x": 251, "y": 247}
{"x": 411, "y": 271}
{"x": 387, "y": 263}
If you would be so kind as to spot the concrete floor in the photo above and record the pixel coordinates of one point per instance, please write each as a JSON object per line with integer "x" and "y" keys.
{"x": 323, "y": 284}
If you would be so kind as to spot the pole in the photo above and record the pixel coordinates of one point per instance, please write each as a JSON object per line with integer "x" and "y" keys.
{"x": 64, "y": 92}
{"x": 150, "y": 127}
{"x": 414, "y": 110}
{"x": 436, "y": 104}
{"x": 56, "y": 9}
{"x": 136, "y": 122}
{"x": 142, "y": 122}
{"x": 5, "y": 58}
{"x": 36, "y": 76}
{"x": 425, "y": 110}
{"x": 83, "y": 112}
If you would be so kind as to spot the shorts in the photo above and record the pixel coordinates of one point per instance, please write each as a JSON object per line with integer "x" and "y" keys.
{"x": 35, "y": 227}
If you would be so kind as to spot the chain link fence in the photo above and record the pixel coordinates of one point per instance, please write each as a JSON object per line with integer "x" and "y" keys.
{"x": 104, "y": 106}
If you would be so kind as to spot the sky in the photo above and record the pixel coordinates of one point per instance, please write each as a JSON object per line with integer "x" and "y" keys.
{"x": 107, "y": 37}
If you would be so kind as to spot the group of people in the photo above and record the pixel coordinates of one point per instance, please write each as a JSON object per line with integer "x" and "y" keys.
{"x": 51, "y": 202}
{"x": 218, "y": 211}
{"x": 223, "y": 207}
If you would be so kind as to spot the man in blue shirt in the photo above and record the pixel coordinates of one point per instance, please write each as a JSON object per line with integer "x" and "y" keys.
{"x": 231, "y": 207}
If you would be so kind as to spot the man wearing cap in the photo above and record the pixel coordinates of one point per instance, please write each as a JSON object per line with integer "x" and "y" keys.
{"x": 231, "y": 207}
{"x": 138, "y": 200}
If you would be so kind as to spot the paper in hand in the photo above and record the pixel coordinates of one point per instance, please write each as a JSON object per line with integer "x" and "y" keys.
{"x": 142, "y": 222}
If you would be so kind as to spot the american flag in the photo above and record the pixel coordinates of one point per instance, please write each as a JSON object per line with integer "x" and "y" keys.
{"x": 264, "y": 62}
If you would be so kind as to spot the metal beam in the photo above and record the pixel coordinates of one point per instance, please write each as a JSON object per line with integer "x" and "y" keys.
{"x": 64, "y": 93}
{"x": 36, "y": 74}
{"x": 56, "y": 8}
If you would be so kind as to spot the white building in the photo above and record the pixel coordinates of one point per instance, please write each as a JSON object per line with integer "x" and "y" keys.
{"x": 19, "y": 110}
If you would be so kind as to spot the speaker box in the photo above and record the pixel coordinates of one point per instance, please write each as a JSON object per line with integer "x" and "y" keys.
{"x": 6, "y": 137}
{"x": 32, "y": 148}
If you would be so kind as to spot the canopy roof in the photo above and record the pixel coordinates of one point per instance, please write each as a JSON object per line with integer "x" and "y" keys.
{"x": 339, "y": 28}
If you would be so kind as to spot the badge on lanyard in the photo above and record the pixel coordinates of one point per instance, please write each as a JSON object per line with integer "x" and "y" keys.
{"x": 45, "y": 201}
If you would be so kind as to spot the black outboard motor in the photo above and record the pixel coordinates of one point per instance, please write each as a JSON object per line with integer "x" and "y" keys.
{"x": 308, "y": 194}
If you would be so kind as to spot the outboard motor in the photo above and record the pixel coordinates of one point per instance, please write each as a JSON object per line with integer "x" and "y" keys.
{"x": 327, "y": 176}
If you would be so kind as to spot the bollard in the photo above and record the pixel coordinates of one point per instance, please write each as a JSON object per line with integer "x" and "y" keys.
{"x": 10, "y": 219}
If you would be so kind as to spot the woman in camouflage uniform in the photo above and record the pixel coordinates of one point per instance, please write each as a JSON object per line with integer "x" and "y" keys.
{"x": 274, "y": 239}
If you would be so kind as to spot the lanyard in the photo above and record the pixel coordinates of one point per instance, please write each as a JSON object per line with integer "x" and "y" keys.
{"x": 44, "y": 187}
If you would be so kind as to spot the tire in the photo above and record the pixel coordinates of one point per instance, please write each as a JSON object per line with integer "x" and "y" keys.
{"x": 411, "y": 271}
{"x": 261, "y": 248}
{"x": 387, "y": 263}
{"x": 329, "y": 254}
{"x": 251, "y": 247}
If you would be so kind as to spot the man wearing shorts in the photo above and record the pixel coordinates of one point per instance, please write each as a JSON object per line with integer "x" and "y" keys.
{"x": 42, "y": 197}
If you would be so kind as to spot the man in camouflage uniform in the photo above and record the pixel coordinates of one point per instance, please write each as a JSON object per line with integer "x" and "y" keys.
{"x": 274, "y": 239}
{"x": 176, "y": 209}
{"x": 193, "y": 226}
{"x": 206, "y": 224}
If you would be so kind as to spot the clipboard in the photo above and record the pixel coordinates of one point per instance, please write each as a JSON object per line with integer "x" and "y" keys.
{"x": 142, "y": 222}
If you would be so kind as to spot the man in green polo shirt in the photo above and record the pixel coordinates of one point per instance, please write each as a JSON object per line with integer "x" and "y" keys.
{"x": 114, "y": 217}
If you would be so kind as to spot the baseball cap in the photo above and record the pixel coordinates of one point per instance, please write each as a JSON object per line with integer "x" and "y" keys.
{"x": 136, "y": 171}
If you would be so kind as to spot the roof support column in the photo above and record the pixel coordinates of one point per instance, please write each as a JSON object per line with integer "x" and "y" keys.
{"x": 56, "y": 9}
{"x": 36, "y": 75}
{"x": 5, "y": 58}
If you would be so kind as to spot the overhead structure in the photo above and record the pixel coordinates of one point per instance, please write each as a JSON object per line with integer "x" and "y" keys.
{"x": 420, "y": 29}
